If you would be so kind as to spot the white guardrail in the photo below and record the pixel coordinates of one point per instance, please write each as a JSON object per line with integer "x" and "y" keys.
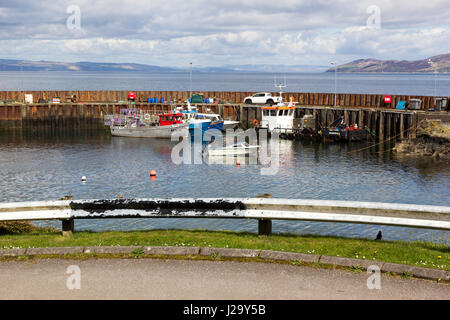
{"x": 263, "y": 209}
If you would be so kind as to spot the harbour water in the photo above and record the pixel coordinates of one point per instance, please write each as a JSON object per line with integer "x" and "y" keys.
{"x": 376, "y": 83}
{"x": 49, "y": 167}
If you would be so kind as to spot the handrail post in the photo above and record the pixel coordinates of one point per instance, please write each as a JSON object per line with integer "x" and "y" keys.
{"x": 68, "y": 226}
{"x": 264, "y": 227}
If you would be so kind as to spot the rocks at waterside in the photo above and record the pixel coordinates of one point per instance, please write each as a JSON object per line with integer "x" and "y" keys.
{"x": 432, "y": 139}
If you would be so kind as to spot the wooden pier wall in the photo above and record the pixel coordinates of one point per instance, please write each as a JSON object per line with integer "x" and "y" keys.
{"x": 85, "y": 117}
{"x": 309, "y": 99}
{"x": 382, "y": 124}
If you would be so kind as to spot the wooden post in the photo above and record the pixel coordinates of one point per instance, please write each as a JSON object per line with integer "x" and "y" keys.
{"x": 346, "y": 120}
{"x": 381, "y": 127}
{"x": 388, "y": 124}
{"x": 315, "y": 119}
{"x": 402, "y": 126}
{"x": 361, "y": 118}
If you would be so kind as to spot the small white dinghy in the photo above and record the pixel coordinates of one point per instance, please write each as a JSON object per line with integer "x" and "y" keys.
{"x": 240, "y": 148}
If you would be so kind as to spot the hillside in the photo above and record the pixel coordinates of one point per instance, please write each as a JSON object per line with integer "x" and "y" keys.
{"x": 26, "y": 65}
{"x": 441, "y": 63}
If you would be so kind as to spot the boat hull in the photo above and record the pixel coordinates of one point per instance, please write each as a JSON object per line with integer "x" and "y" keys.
{"x": 227, "y": 124}
{"x": 216, "y": 125}
{"x": 148, "y": 131}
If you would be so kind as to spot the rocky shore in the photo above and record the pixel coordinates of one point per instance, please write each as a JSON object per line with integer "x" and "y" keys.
{"x": 432, "y": 139}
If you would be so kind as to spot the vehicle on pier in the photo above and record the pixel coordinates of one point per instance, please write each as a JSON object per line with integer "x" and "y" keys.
{"x": 262, "y": 98}
{"x": 167, "y": 124}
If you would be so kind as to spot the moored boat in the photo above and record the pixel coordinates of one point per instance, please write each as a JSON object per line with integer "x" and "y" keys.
{"x": 164, "y": 128}
{"x": 338, "y": 131}
{"x": 236, "y": 149}
{"x": 216, "y": 120}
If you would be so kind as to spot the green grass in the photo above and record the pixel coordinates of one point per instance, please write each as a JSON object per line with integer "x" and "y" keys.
{"x": 421, "y": 254}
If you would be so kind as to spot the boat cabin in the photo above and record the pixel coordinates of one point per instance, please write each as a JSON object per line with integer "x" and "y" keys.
{"x": 278, "y": 118}
{"x": 214, "y": 117}
{"x": 168, "y": 119}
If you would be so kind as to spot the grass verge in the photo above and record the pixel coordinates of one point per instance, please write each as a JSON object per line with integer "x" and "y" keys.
{"x": 422, "y": 254}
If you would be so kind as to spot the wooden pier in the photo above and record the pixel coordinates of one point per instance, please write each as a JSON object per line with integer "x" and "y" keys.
{"x": 87, "y": 115}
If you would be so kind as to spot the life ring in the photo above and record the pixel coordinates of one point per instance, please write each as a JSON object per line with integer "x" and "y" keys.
{"x": 147, "y": 117}
{"x": 255, "y": 122}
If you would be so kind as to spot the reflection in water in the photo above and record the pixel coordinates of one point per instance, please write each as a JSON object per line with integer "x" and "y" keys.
{"x": 40, "y": 168}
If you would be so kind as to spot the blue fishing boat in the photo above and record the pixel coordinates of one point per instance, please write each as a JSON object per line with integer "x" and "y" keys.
{"x": 216, "y": 120}
{"x": 190, "y": 116}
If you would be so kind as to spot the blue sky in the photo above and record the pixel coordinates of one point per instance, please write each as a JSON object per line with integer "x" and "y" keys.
{"x": 216, "y": 33}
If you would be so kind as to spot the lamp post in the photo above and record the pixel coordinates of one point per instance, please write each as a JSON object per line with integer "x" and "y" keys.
{"x": 190, "y": 81}
{"x": 433, "y": 65}
{"x": 335, "y": 82}
{"x": 21, "y": 81}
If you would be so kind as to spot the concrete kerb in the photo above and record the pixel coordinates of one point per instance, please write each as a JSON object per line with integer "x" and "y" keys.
{"x": 229, "y": 252}
{"x": 433, "y": 274}
{"x": 112, "y": 249}
{"x": 12, "y": 252}
{"x": 53, "y": 250}
{"x": 289, "y": 256}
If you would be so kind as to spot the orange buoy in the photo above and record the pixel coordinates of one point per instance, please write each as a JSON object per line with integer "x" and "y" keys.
{"x": 238, "y": 163}
{"x": 153, "y": 173}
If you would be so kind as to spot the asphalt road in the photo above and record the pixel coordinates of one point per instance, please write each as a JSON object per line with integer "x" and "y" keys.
{"x": 185, "y": 279}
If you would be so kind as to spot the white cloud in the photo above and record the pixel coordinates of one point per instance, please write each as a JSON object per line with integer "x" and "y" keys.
{"x": 171, "y": 32}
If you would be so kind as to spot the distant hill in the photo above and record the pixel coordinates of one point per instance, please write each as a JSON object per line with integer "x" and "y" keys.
{"x": 440, "y": 62}
{"x": 26, "y": 65}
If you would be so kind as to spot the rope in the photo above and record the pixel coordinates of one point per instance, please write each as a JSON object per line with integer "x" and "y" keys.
{"x": 389, "y": 139}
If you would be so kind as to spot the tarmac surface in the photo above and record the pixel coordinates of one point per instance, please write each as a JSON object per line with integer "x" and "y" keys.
{"x": 195, "y": 279}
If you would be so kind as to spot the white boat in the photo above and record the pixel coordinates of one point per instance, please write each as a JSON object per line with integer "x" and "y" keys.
{"x": 279, "y": 118}
{"x": 167, "y": 125}
{"x": 240, "y": 148}
{"x": 229, "y": 124}
{"x": 147, "y": 131}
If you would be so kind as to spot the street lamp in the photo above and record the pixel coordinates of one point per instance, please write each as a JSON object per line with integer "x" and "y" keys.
{"x": 190, "y": 81}
{"x": 433, "y": 65}
{"x": 335, "y": 82}
{"x": 21, "y": 81}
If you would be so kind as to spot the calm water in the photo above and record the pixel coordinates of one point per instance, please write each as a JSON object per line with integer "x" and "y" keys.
{"x": 47, "y": 168}
{"x": 382, "y": 83}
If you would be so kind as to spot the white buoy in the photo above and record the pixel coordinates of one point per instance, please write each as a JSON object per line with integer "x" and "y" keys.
{"x": 83, "y": 179}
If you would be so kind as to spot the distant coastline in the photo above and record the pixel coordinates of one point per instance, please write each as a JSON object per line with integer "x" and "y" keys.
{"x": 438, "y": 64}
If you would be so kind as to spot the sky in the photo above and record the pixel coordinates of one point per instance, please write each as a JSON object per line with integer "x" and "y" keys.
{"x": 223, "y": 32}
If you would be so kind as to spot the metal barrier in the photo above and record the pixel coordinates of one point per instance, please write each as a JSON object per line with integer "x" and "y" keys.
{"x": 263, "y": 209}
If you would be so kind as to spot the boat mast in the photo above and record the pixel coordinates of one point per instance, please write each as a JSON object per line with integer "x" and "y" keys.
{"x": 280, "y": 86}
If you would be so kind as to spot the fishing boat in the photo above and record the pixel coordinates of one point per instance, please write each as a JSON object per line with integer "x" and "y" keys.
{"x": 229, "y": 124}
{"x": 216, "y": 120}
{"x": 164, "y": 126}
{"x": 279, "y": 118}
{"x": 236, "y": 149}
{"x": 338, "y": 131}
{"x": 125, "y": 115}
{"x": 190, "y": 116}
